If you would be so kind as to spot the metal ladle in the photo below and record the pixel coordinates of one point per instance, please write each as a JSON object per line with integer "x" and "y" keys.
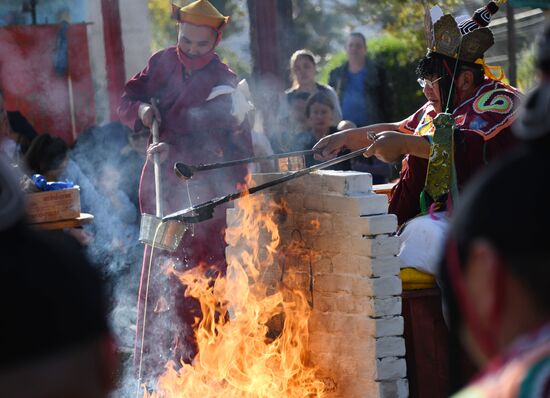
{"x": 204, "y": 211}
{"x": 185, "y": 171}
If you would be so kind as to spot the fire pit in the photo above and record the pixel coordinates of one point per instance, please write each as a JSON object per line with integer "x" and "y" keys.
{"x": 336, "y": 246}
{"x": 310, "y": 305}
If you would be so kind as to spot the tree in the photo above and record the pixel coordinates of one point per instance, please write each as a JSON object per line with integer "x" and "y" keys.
{"x": 401, "y": 18}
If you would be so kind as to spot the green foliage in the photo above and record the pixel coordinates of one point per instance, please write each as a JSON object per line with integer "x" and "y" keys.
{"x": 332, "y": 61}
{"x": 236, "y": 11}
{"x": 163, "y": 27}
{"x": 314, "y": 28}
{"x": 526, "y": 69}
{"x": 241, "y": 68}
{"x": 398, "y": 62}
{"x": 403, "y": 18}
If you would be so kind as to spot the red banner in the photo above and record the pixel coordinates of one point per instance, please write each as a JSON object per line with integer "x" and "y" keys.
{"x": 61, "y": 103}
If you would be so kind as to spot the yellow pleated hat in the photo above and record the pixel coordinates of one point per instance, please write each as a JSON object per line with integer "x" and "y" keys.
{"x": 200, "y": 12}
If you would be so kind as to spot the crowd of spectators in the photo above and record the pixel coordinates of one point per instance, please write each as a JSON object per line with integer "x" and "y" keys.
{"x": 310, "y": 110}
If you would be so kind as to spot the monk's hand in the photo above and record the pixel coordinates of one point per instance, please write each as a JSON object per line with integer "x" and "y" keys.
{"x": 147, "y": 113}
{"x": 387, "y": 146}
{"x": 328, "y": 147}
{"x": 161, "y": 148}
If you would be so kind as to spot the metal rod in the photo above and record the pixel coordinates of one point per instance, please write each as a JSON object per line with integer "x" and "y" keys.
{"x": 157, "y": 169}
{"x": 185, "y": 171}
{"x": 204, "y": 211}
{"x": 511, "y": 34}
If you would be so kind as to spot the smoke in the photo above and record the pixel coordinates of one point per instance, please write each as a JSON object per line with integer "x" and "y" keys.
{"x": 107, "y": 167}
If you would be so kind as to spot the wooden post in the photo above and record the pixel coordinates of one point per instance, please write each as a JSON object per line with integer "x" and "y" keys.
{"x": 267, "y": 62}
{"x": 114, "y": 53}
{"x": 511, "y": 31}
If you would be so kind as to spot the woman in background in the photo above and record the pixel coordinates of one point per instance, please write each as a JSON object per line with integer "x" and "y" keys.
{"x": 303, "y": 71}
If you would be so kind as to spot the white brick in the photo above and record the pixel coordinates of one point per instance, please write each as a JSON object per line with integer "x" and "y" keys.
{"x": 366, "y": 225}
{"x": 381, "y": 224}
{"x": 294, "y": 200}
{"x": 331, "y": 284}
{"x": 363, "y": 205}
{"x": 232, "y": 218}
{"x": 391, "y": 368}
{"x": 353, "y": 305}
{"x": 343, "y": 324}
{"x": 383, "y": 266}
{"x": 346, "y": 303}
{"x": 344, "y": 263}
{"x": 392, "y": 326}
{"x": 300, "y": 185}
{"x": 355, "y": 349}
{"x": 393, "y": 389}
{"x": 349, "y": 284}
{"x": 390, "y": 347}
{"x": 262, "y": 178}
{"x": 386, "y": 286}
{"x": 316, "y": 223}
{"x": 321, "y": 265}
{"x": 328, "y": 243}
{"x": 380, "y": 246}
{"x": 342, "y": 182}
{"x": 387, "y": 306}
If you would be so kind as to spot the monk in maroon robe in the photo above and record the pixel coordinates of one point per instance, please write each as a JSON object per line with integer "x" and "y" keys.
{"x": 456, "y": 81}
{"x": 193, "y": 129}
{"x": 438, "y": 163}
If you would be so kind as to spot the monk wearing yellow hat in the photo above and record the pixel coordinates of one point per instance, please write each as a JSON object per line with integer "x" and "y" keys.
{"x": 196, "y": 126}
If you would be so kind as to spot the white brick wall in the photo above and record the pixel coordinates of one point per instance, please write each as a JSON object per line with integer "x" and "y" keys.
{"x": 346, "y": 236}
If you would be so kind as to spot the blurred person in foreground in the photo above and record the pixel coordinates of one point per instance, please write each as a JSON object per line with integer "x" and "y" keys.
{"x": 495, "y": 270}
{"x": 359, "y": 83}
{"x": 199, "y": 123}
{"x": 473, "y": 111}
{"x": 56, "y": 341}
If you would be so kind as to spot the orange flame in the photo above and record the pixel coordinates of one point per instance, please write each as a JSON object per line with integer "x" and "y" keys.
{"x": 239, "y": 353}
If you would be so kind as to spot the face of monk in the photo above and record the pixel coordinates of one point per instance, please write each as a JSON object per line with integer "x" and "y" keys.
{"x": 195, "y": 40}
{"x": 431, "y": 92}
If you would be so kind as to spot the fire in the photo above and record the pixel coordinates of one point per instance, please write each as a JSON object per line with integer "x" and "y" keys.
{"x": 240, "y": 353}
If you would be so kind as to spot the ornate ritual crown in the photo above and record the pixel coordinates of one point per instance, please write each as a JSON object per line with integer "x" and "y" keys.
{"x": 466, "y": 40}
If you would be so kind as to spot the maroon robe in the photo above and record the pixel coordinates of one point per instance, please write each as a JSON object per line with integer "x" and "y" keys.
{"x": 197, "y": 131}
{"x": 483, "y": 134}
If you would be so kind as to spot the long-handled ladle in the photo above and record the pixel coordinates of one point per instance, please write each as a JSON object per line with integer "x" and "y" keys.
{"x": 186, "y": 171}
{"x": 204, "y": 211}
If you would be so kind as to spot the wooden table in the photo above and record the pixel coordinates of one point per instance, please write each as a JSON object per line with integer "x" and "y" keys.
{"x": 84, "y": 219}
{"x": 384, "y": 189}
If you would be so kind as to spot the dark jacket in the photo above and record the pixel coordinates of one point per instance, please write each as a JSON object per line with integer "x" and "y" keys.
{"x": 374, "y": 89}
